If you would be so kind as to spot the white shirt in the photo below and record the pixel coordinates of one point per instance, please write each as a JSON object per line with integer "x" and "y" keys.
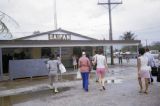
{"x": 144, "y": 63}
{"x": 150, "y": 57}
{"x": 52, "y": 65}
{"x": 101, "y": 61}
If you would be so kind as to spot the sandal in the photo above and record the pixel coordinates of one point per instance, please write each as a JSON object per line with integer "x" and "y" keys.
{"x": 104, "y": 88}
{"x": 146, "y": 92}
{"x": 141, "y": 91}
{"x": 101, "y": 89}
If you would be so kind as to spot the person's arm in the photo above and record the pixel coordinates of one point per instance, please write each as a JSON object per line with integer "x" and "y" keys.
{"x": 105, "y": 63}
{"x": 138, "y": 65}
{"x": 79, "y": 63}
{"x": 47, "y": 65}
{"x": 153, "y": 62}
{"x": 89, "y": 65}
{"x": 95, "y": 60}
{"x": 58, "y": 63}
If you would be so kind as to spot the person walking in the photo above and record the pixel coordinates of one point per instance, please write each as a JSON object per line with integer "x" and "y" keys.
{"x": 143, "y": 70}
{"x": 84, "y": 66}
{"x": 120, "y": 57}
{"x": 74, "y": 62}
{"x": 53, "y": 67}
{"x": 102, "y": 67}
{"x": 151, "y": 62}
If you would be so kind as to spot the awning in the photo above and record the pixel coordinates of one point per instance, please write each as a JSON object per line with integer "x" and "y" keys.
{"x": 65, "y": 43}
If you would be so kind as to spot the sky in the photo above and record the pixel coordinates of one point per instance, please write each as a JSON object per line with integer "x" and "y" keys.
{"x": 85, "y": 17}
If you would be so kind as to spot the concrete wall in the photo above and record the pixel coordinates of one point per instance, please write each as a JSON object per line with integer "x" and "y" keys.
{"x": 27, "y": 68}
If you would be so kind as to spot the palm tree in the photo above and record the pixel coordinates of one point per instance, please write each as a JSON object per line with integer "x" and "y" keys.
{"x": 4, "y": 30}
{"x": 128, "y": 36}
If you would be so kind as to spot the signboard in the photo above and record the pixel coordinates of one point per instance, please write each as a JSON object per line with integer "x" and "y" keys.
{"x": 59, "y": 36}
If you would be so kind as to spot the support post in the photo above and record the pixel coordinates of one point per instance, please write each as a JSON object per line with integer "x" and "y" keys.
{"x": 1, "y": 65}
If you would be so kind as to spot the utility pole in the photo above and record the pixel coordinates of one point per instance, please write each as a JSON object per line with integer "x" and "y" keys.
{"x": 55, "y": 15}
{"x": 110, "y": 24}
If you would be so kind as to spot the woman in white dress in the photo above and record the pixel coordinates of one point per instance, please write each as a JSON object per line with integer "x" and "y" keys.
{"x": 143, "y": 70}
{"x": 74, "y": 62}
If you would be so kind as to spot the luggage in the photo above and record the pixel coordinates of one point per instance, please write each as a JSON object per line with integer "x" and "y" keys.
{"x": 154, "y": 71}
{"x": 158, "y": 74}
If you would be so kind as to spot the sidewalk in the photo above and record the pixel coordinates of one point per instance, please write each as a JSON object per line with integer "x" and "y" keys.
{"x": 121, "y": 90}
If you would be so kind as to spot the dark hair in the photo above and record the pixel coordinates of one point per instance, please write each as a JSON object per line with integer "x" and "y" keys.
{"x": 52, "y": 56}
{"x": 95, "y": 51}
{"x": 147, "y": 49}
{"x": 58, "y": 55}
{"x": 100, "y": 51}
{"x": 141, "y": 51}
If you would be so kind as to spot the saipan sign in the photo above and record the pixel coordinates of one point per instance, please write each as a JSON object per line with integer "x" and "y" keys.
{"x": 59, "y": 36}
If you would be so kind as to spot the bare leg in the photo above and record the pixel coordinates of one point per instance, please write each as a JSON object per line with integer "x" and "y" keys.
{"x": 140, "y": 84}
{"x": 56, "y": 79}
{"x": 100, "y": 80}
{"x": 103, "y": 81}
{"x": 146, "y": 84}
{"x": 51, "y": 80}
{"x": 76, "y": 67}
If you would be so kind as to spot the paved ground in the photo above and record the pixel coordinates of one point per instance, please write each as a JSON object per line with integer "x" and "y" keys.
{"x": 121, "y": 90}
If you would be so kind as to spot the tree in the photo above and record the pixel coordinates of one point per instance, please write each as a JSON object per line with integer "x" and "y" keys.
{"x": 129, "y": 36}
{"x": 4, "y": 30}
{"x": 36, "y": 32}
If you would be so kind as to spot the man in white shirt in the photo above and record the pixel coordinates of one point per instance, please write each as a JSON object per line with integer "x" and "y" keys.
{"x": 120, "y": 57}
{"x": 151, "y": 61}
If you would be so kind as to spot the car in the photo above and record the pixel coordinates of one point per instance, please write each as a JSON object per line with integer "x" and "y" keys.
{"x": 155, "y": 53}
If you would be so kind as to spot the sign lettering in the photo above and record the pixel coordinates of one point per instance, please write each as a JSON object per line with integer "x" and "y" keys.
{"x": 59, "y": 37}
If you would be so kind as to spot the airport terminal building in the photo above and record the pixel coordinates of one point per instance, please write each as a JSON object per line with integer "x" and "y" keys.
{"x": 25, "y": 56}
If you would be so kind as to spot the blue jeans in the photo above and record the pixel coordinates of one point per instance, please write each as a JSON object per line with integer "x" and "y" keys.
{"x": 85, "y": 80}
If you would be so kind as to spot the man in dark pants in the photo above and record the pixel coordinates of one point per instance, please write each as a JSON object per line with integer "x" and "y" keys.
{"x": 120, "y": 57}
{"x": 84, "y": 65}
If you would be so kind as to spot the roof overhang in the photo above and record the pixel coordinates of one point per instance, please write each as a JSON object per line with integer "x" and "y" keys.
{"x": 65, "y": 43}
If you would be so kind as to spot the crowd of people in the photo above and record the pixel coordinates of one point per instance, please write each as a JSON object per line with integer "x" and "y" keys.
{"x": 145, "y": 62}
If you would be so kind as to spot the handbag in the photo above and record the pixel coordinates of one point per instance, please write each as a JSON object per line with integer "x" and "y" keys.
{"x": 79, "y": 74}
{"x": 62, "y": 68}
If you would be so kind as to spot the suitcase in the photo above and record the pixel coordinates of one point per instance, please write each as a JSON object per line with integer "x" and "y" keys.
{"x": 158, "y": 74}
{"x": 154, "y": 71}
